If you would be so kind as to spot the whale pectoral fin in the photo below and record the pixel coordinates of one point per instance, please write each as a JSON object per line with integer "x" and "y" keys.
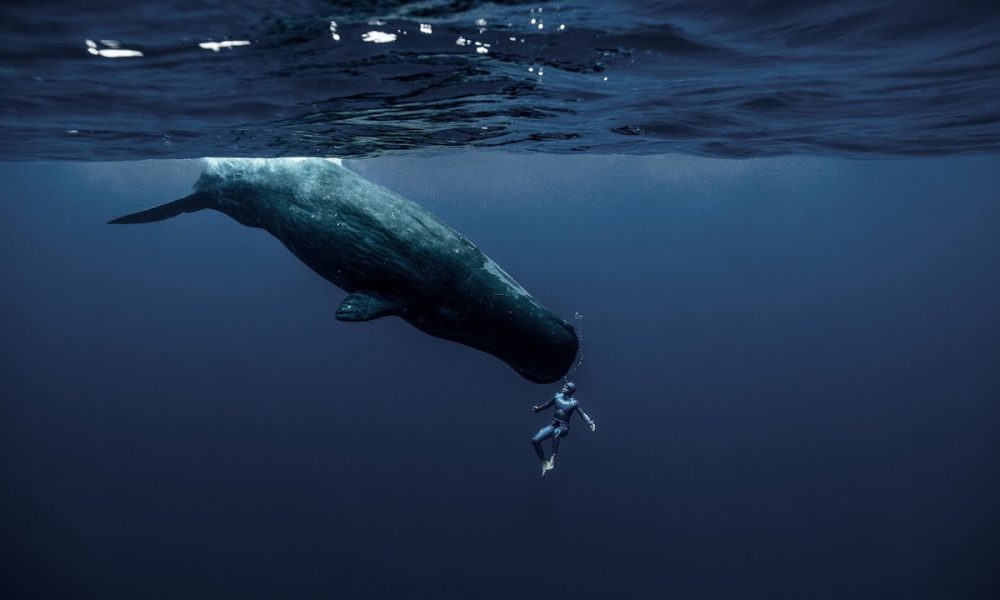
{"x": 364, "y": 306}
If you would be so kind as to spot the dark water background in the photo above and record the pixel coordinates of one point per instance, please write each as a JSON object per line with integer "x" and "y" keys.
{"x": 792, "y": 363}
{"x": 709, "y": 77}
{"x": 792, "y": 359}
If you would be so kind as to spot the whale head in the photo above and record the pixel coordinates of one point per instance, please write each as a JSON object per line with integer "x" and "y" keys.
{"x": 540, "y": 347}
{"x": 491, "y": 312}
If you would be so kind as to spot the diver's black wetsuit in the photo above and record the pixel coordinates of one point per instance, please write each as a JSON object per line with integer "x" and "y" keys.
{"x": 566, "y": 407}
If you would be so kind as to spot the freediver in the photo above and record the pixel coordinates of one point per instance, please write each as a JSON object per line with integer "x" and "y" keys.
{"x": 566, "y": 406}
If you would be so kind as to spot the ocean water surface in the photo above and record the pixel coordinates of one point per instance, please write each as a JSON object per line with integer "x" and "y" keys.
{"x": 120, "y": 81}
{"x": 773, "y": 227}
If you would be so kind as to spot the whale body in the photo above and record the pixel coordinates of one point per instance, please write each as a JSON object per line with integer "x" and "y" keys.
{"x": 388, "y": 253}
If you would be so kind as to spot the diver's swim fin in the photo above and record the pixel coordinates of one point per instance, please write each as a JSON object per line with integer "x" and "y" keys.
{"x": 193, "y": 203}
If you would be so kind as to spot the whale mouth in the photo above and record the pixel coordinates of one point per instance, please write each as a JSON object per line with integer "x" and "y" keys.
{"x": 534, "y": 377}
{"x": 551, "y": 363}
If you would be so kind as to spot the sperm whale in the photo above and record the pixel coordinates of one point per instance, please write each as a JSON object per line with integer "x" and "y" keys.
{"x": 390, "y": 255}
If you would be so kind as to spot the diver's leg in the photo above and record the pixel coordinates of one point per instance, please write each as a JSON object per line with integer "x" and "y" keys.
{"x": 560, "y": 432}
{"x": 543, "y": 434}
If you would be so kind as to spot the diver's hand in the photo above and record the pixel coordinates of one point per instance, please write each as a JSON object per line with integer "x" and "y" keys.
{"x": 593, "y": 425}
{"x": 536, "y": 408}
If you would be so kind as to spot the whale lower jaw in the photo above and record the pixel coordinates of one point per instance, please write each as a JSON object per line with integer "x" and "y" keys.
{"x": 551, "y": 370}
{"x": 543, "y": 379}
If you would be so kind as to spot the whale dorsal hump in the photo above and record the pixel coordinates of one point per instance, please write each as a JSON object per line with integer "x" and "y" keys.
{"x": 365, "y": 306}
{"x": 192, "y": 203}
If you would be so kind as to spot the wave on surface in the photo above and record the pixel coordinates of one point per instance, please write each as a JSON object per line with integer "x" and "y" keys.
{"x": 118, "y": 81}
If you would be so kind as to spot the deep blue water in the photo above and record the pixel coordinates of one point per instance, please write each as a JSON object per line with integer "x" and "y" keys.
{"x": 792, "y": 363}
{"x": 708, "y": 77}
{"x": 774, "y": 225}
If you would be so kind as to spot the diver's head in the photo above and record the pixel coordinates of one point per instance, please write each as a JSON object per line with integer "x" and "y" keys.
{"x": 568, "y": 388}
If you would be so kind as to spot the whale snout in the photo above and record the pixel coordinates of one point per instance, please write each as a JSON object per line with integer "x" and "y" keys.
{"x": 538, "y": 345}
{"x": 548, "y": 355}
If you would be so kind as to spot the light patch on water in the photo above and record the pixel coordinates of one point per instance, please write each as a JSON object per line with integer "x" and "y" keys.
{"x": 480, "y": 22}
{"x": 426, "y": 28}
{"x": 482, "y": 50}
{"x": 333, "y": 31}
{"x": 378, "y": 37}
{"x": 112, "y": 49}
{"x": 461, "y": 41}
{"x": 216, "y": 46}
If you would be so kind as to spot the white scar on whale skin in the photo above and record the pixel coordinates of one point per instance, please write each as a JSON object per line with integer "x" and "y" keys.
{"x": 495, "y": 270}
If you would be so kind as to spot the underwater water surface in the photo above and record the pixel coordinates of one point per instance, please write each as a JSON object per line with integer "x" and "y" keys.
{"x": 120, "y": 81}
{"x": 773, "y": 226}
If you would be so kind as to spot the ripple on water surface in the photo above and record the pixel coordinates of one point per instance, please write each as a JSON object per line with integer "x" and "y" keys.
{"x": 316, "y": 78}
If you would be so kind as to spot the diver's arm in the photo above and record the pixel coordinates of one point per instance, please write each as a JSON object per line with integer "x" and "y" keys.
{"x": 590, "y": 422}
{"x": 542, "y": 407}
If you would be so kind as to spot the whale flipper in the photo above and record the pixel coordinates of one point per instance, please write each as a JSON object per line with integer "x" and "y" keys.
{"x": 192, "y": 203}
{"x": 365, "y": 306}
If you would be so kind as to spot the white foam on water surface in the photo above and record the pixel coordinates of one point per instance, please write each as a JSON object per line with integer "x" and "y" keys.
{"x": 378, "y": 37}
{"x": 112, "y": 49}
{"x": 216, "y": 46}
